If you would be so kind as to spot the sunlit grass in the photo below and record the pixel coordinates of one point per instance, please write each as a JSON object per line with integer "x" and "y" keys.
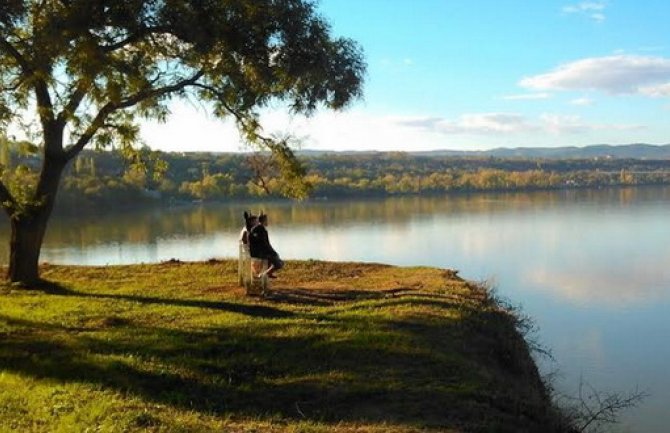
{"x": 336, "y": 347}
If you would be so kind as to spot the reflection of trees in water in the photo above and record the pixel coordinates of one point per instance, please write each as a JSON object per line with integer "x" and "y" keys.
{"x": 145, "y": 226}
{"x": 149, "y": 226}
{"x": 402, "y": 209}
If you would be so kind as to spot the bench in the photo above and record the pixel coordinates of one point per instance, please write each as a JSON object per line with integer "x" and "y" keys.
{"x": 252, "y": 273}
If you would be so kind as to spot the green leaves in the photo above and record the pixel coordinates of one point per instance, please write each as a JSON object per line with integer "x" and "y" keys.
{"x": 20, "y": 181}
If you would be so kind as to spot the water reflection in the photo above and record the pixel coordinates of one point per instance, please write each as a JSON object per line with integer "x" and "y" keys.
{"x": 605, "y": 284}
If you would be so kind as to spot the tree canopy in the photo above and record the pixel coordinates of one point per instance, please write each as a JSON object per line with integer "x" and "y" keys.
{"x": 96, "y": 65}
{"x": 89, "y": 69}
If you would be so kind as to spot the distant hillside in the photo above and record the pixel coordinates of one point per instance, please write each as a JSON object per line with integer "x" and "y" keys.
{"x": 629, "y": 151}
{"x": 635, "y": 151}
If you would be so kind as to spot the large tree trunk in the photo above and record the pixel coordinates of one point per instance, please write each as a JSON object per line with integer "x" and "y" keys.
{"x": 24, "y": 247}
{"x": 29, "y": 225}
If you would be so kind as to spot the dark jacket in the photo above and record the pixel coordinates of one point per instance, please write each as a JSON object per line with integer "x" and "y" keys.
{"x": 259, "y": 243}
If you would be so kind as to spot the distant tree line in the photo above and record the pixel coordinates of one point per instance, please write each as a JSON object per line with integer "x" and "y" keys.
{"x": 402, "y": 173}
{"x": 103, "y": 178}
{"x": 106, "y": 179}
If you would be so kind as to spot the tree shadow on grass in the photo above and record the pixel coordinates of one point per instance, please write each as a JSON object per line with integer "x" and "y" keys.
{"x": 53, "y": 288}
{"x": 321, "y": 297}
{"x": 401, "y": 370}
{"x": 44, "y": 286}
{"x": 232, "y": 372}
{"x": 326, "y": 297}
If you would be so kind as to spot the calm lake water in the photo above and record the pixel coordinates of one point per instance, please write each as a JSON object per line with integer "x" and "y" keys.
{"x": 591, "y": 267}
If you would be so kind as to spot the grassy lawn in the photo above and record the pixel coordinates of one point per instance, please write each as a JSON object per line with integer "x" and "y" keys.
{"x": 336, "y": 347}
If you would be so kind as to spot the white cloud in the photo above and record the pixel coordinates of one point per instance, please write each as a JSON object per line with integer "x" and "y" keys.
{"x": 569, "y": 124}
{"x": 582, "y": 101}
{"x": 558, "y": 124}
{"x": 622, "y": 74}
{"x": 496, "y": 124}
{"x": 598, "y": 17}
{"x": 404, "y": 62}
{"x": 660, "y": 90}
{"x": 591, "y": 9}
{"x": 477, "y": 123}
{"x": 584, "y": 7}
{"x": 527, "y": 96}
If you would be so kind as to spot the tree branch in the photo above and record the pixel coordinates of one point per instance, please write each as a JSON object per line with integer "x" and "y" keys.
{"x": 7, "y": 47}
{"x": 241, "y": 119}
{"x": 13, "y": 88}
{"x": 259, "y": 166}
{"x": 135, "y": 37}
{"x": 76, "y": 98}
{"x": 593, "y": 408}
{"x": 152, "y": 93}
{"x": 110, "y": 107}
{"x": 7, "y": 201}
{"x": 221, "y": 98}
{"x": 44, "y": 104}
{"x": 41, "y": 90}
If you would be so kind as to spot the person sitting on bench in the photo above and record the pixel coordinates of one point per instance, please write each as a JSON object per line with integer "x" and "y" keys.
{"x": 260, "y": 247}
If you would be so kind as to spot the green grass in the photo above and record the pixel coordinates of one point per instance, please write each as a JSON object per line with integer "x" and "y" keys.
{"x": 336, "y": 347}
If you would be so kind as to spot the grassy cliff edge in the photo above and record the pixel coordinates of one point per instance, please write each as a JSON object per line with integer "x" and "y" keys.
{"x": 336, "y": 347}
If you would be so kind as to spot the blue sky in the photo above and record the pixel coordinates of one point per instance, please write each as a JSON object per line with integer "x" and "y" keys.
{"x": 480, "y": 74}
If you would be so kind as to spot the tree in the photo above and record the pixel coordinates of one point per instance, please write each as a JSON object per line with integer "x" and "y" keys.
{"x": 89, "y": 69}
{"x": 5, "y": 155}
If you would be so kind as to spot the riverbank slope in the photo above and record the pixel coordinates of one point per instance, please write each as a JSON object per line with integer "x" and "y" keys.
{"x": 336, "y": 347}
